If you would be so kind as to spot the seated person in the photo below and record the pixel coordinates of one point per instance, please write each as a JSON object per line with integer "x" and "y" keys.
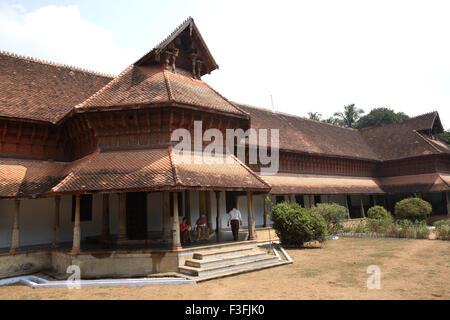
{"x": 185, "y": 230}
{"x": 201, "y": 225}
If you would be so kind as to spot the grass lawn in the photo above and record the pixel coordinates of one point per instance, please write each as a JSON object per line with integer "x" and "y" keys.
{"x": 410, "y": 269}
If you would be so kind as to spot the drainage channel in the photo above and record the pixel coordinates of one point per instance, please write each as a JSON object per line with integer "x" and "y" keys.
{"x": 37, "y": 282}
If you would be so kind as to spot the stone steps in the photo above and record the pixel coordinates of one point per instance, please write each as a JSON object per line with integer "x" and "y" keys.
{"x": 204, "y": 263}
{"x": 213, "y": 254}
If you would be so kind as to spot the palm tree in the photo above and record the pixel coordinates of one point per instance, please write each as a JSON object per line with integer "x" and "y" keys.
{"x": 350, "y": 115}
{"x": 315, "y": 116}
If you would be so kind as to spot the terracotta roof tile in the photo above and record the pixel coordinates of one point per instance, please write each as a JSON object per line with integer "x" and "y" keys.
{"x": 43, "y": 91}
{"x": 146, "y": 85}
{"x": 422, "y": 183}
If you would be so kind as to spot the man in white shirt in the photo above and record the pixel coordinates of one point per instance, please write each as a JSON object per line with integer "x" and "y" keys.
{"x": 234, "y": 216}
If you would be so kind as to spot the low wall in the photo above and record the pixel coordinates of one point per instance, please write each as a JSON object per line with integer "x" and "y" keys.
{"x": 24, "y": 263}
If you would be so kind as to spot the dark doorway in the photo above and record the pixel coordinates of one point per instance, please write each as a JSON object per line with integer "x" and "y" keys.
{"x": 300, "y": 199}
{"x": 136, "y": 215}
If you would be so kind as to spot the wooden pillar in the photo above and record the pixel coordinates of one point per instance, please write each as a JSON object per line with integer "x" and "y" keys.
{"x": 56, "y": 221}
{"x": 105, "y": 216}
{"x": 218, "y": 220}
{"x": 292, "y": 197}
{"x": 362, "y": 208}
{"x": 251, "y": 220}
{"x": 448, "y": 203}
{"x": 187, "y": 206}
{"x": 76, "y": 227}
{"x": 15, "y": 230}
{"x": 286, "y": 198}
{"x": 122, "y": 230}
{"x": 311, "y": 200}
{"x": 202, "y": 202}
{"x": 328, "y": 198}
{"x": 347, "y": 206}
{"x": 166, "y": 216}
{"x": 176, "y": 243}
{"x": 267, "y": 210}
{"x": 209, "y": 209}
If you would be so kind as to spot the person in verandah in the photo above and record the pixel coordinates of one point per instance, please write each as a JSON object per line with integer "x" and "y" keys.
{"x": 234, "y": 217}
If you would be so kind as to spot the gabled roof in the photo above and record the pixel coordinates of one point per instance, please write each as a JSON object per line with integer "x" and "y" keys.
{"x": 154, "y": 85}
{"x": 189, "y": 27}
{"x": 43, "y": 91}
{"x": 311, "y": 137}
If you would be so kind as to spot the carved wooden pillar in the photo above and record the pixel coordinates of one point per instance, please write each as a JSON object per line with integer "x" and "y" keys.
{"x": 15, "y": 229}
{"x": 76, "y": 227}
{"x": 166, "y": 216}
{"x": 448, "y": 203}
{"x": 363, "y": 215}
{"x": 176, "y": 243}
{"x": 209, "y": 209}
{"x": 56, "y": 222}
{"x": 267, "y": 210}
{"x": 202, "y": 202}
{"x": 187, "y": 206}
{"x": 105, "y": 217}
{"x": 251, "y": 220}
{"x": 218, "y": 220}
{"x": 122, "y": 230}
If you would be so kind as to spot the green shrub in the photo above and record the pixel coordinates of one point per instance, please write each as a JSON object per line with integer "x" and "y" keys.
{"x": 381, "y": 226}
{"x": 333, "y": 214}
{"x": 443, "y": 229}
{"x": 413, "y": 209}
{"x": 408, "y": 229}
{"x": 295, "y": 225}
{"x": 378, "y": 213}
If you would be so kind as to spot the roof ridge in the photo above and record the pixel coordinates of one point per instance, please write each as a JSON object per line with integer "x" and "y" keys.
{"x": 175, "y": 174}
{"x": 428, "y": 142}
{"x": 297, "y": 116}
{"x": 383, "y": 125}
{"x": 168, "y": 86}
{"x": 250, "y": 171}
{"x": 55, "y": 64}
{"x": 223, "y": 97}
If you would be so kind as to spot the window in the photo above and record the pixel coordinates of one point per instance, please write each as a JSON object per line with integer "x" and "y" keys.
{"x": 85, "y": 207}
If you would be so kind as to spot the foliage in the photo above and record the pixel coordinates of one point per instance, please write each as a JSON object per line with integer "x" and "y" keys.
{"x": 413, "y": 209}
{"x": 333, "y": 214}
{"x": 388, "y": 227}
{"x": 295, "y": 225}
{"x": 378, "y": 213}
{"x": 315, "y": 116}
{"x": 382, "y": 226}
{"x": 380, "y": 116}
{"x": 444, "y": 137}
{"x": 443, "y": 229}
{"x": 350, "y": 116}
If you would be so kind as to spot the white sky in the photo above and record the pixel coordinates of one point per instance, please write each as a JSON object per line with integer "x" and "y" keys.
{"x": 310, "y": 55}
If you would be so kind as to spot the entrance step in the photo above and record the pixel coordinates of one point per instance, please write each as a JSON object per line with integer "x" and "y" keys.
{"x": 224, "y": 260}
{"x": 214, "y": 254}
{"x": 227, "y": 267}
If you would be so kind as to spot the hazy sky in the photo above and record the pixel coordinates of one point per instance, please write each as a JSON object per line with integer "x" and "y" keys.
{"x": 309, "y": 55}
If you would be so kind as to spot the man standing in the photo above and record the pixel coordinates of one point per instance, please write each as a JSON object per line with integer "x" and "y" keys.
{"x": 236, "y": 220}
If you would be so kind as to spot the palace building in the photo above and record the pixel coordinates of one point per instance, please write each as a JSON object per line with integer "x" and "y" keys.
{"x": 89, "y": 176}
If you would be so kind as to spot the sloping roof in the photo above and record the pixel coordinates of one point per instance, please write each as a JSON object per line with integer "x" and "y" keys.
{"x": 317, "y": 184}
{"x": 402, "y": 140}
{"x": 43, "y": 91}
{"x": 27, "y": 178}
{"x": 153, "y": 85}
{"x": 154, "y": 169}
{"x": 312, "y": 137}
{"x": 421, "y": 183}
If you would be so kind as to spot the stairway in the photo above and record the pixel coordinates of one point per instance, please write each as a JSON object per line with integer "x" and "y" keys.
{"x": 227, "y": 261}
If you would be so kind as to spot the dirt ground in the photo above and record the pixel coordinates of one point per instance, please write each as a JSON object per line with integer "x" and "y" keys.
{"x": 410, "y": 269}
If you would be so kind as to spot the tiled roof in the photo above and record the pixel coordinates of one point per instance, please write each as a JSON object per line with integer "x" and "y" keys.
{"x": 154, "y": 169}
{"x": 312, "y": 137}
{"x": 403, "y": 140}
{"x": 26, "y": 178}
{"x": 43, "y": 91}
{"x": 147, "y": 85}
{"x": 317, "y": 184}
{"x": 422, "y": 183}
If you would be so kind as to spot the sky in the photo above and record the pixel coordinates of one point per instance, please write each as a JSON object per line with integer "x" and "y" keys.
{"x": 309, "y": 56}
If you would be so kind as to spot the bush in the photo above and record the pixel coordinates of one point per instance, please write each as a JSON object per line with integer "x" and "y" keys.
{"x": 381, "y": 226}
{"x": 378, "y": 213}
{"x": 295, "y": 225}
{"x": 408, "y": 229}
{"x": 413, "y": 209}
{"x": 443, "y": 229}
{"x": 333, "y": 214}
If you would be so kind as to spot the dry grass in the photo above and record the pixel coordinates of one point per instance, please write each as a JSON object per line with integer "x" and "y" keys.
{"x": 411, "y": 269}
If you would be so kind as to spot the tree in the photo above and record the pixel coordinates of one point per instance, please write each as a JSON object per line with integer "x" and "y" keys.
{"x": 445, "y": 137}
{"x": 379, "y": 116}
{"x": 315, "y": 116}
{"x": 332, "y": 120}
{"x": 350, "y": 116}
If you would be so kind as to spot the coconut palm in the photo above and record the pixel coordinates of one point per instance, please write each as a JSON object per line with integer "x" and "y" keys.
{"x": 350, "y": 115}
{"x": 315, "y": 116}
